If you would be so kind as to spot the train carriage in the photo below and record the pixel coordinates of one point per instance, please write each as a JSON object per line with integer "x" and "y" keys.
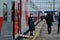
{"x": 14, "y": 16}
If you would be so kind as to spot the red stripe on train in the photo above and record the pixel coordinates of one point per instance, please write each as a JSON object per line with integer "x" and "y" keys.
{"x": 1, "y": 22}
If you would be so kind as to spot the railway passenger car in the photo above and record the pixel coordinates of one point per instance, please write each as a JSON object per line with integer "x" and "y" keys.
{"x": 16, "y": 13}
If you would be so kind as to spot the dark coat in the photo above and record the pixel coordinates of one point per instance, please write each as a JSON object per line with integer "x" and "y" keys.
{"x": 31, "y": 24}
{"x": 49, "y": 18}
{"x": 58, "y": 20}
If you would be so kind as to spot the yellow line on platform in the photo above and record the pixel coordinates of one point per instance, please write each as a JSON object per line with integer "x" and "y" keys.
{"x": 37, "y": 33}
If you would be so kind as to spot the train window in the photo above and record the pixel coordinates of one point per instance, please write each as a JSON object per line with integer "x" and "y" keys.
{"x": 5, "y": 11}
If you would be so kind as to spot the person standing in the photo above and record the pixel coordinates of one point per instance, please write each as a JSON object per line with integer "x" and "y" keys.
{"x": 41, "y": 18}
{"x": 48, "y": 19}
{"x": 58, "y": 22}
{"x": 31, "y": 24}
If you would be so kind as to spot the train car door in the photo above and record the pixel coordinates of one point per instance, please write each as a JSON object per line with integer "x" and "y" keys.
{"x": 15, "y": 20}
{"x": 16, "y": 17}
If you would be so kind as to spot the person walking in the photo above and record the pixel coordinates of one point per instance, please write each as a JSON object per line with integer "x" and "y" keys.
{"x": 48, "y": 19}
{"x": 58, "y": 23}
{"x": 31, "y": 24}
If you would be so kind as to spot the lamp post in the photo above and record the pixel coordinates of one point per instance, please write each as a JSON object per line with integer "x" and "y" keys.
{"x": 53, "y": 5}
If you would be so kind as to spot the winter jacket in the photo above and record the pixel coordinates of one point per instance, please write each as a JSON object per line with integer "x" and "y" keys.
{"x": 31, "y": 24}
